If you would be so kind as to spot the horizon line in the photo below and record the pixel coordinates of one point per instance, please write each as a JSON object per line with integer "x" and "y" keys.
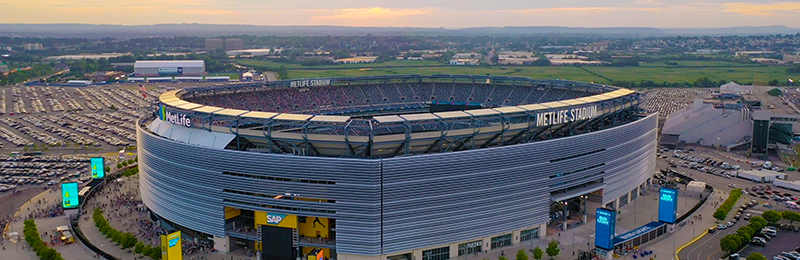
{"x": 410, "y": 27}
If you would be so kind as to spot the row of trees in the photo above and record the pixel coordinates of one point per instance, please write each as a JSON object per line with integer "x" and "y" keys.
{"x": 722, "y": 211}
{"x": 130, "y": 172}
{"x": 731, "y": 243}
{"x": 552, "y": 251}
{"x": 126, "y": 163}
{"x": 124, "y": 239}
{"x": 36, "y": 243}
{"x": 36, "y": 70}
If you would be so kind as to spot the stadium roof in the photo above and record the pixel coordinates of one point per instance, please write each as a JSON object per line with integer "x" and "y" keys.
{"x": 168, "y": 63}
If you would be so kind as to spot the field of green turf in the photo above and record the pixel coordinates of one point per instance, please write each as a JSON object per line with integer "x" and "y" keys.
{"x": 685, "y": 71}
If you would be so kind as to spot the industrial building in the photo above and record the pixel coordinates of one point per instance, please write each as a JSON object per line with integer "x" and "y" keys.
{"x": 169, "y": 67}
{"x": 214, "y": 44}
{"x": 234, "y": 44}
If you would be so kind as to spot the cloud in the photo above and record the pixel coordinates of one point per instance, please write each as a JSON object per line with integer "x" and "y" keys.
{"x": 769, "y": 9}
{"x": 576, "y": 10}
{"x": 203, "y": 11}
{"x": 370, "y": 13}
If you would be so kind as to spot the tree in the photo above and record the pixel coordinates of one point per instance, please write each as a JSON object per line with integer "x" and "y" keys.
{"x": 744, "y": 233}
{"x": 502, "y": 257}
{"x": 729, "y": 243}
{"x": 746, "y": 230}
{"x": 720, "y": 214}
{"x": 771, "y": 216}
{"x": 791, "y": 216}
{"x": 757, "y": 223}
{"x": 756, "y": 256}
{"x": 537, "y": 253}
{"x": 552, "y": 249}
{"x": 521, "y": 255}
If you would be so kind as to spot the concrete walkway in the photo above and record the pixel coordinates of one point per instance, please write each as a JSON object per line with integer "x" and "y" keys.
{"x": 21, "y": 251}
{"x": 633, "y": 215}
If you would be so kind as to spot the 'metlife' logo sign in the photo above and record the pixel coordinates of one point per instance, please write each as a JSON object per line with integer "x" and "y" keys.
{"x": 174, "y": 118}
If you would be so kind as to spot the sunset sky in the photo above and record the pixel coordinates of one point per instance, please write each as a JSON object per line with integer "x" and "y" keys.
{"x": 410, "y": 13}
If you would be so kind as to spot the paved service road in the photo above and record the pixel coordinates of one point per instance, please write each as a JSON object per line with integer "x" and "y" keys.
{"x": 708, "y": 247}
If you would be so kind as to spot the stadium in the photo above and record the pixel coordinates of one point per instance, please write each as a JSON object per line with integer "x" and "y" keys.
{"x": 390, "y": 167}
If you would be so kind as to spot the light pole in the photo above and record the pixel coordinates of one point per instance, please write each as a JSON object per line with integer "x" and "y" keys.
{"x": 673, "y": 248}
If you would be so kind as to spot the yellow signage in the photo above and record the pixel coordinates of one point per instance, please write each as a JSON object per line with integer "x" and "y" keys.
{"x": 171, "y": 246}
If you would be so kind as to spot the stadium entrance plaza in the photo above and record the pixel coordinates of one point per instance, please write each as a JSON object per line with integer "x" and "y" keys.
{"x": 635, "y": 214}
{"x": 127, "y": 186}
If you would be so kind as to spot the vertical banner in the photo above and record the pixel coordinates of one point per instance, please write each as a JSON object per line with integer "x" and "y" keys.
{"x": 668, "y": 205}
{"x": 69, "y": 195}
{"x": 171, "y": 246}
{"x": 98, "y": 167}
{"x": 604, "y": 228}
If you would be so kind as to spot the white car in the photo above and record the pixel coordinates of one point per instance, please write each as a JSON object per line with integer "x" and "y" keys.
{"x": 721, "y": 226}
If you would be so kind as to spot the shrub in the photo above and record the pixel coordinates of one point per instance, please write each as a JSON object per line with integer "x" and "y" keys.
{"x": 32, "y": 237}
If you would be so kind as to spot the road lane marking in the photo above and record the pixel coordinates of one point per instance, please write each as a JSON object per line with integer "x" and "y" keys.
{"x": 688, "y": 244}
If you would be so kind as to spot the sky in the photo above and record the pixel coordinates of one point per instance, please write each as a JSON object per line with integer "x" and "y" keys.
{"x": 411, "y": 13}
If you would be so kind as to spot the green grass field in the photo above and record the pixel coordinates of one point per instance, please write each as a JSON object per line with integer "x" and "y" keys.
{"x": 686, "y": 71}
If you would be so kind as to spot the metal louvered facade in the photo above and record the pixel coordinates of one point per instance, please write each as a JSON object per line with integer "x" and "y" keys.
{"x": 399, "y": 204}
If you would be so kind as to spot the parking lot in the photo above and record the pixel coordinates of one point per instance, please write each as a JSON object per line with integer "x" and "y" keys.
{"x": 667, "y": 101}
{"x": 42, "y": 128}
{"x": 785, "y": 241}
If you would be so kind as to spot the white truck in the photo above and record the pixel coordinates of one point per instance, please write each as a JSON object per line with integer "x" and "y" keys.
{"x": 767, "y": 165}
{"x": 791, "y": 185}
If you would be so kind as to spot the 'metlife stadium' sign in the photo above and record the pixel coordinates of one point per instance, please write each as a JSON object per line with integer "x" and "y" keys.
{"x": 309, "y": 83}
{"x": 174, "y": 118}
{"x": 565, "y": 116}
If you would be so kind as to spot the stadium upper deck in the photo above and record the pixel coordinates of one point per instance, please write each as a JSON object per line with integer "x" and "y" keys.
{"x": 296, "y": 116}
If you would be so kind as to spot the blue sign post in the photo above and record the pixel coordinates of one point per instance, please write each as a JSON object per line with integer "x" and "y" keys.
{"x": 604, "y": 228}
{"x": 668, "y": 205}
{"x": 98, "y": 167}
{"x": 69, "y": 195}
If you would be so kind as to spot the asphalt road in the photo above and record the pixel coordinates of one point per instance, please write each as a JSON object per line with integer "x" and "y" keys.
{"x": 708, "y": 247}
{"x": 11, "y": 203}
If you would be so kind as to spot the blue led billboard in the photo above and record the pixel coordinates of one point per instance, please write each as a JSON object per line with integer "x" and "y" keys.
{"x": 98, "y": 167}
{"x": 69, "y": 195}
{"x": 605, "y": 224}
{"x": 668, "y": 205}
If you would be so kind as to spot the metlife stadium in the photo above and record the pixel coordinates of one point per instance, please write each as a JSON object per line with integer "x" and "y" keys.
{"x": 390, "y": 167}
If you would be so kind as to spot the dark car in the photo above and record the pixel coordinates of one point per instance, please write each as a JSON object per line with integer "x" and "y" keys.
{"x": 712, "y": 230}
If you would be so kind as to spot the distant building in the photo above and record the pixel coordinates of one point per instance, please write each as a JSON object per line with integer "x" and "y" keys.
{"x": 516, "y": 58}
{"x": 33, "y": 47}
{"x": 169, "y": 68}
{"x": 251, "y": 52}
{"x": 101, "y": 76}
{"x": 87, "y": 56}
{"x": 234, "y": 44}
{"x": 466, "y": 59}
{"x": 214, "y": 44}
{"x": 61, "y": 66}
{"x": 753, "y": 53}
{"x": 355, "y": 60}
{"x": 791, "y": 58}
{"x": 3, "y": 67}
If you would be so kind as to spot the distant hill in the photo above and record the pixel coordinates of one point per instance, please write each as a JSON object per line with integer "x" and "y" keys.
{"x": 208, "y": 30}
{"x": 741, "y": 31}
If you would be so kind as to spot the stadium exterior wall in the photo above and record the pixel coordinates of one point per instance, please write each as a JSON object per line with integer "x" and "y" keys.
{"x": 401, "y": 204}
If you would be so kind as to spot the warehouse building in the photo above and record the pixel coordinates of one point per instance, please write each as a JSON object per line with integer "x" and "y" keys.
{"x": 169, "y": 68}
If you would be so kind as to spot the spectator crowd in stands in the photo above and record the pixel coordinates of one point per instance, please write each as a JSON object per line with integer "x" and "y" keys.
{"x": 354, "y": 98}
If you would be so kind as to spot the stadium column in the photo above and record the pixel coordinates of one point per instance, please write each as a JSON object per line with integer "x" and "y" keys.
{"x": 565, "y": 216}
{"x": 221, "y": 244}
{"x": 583, "y": 208}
